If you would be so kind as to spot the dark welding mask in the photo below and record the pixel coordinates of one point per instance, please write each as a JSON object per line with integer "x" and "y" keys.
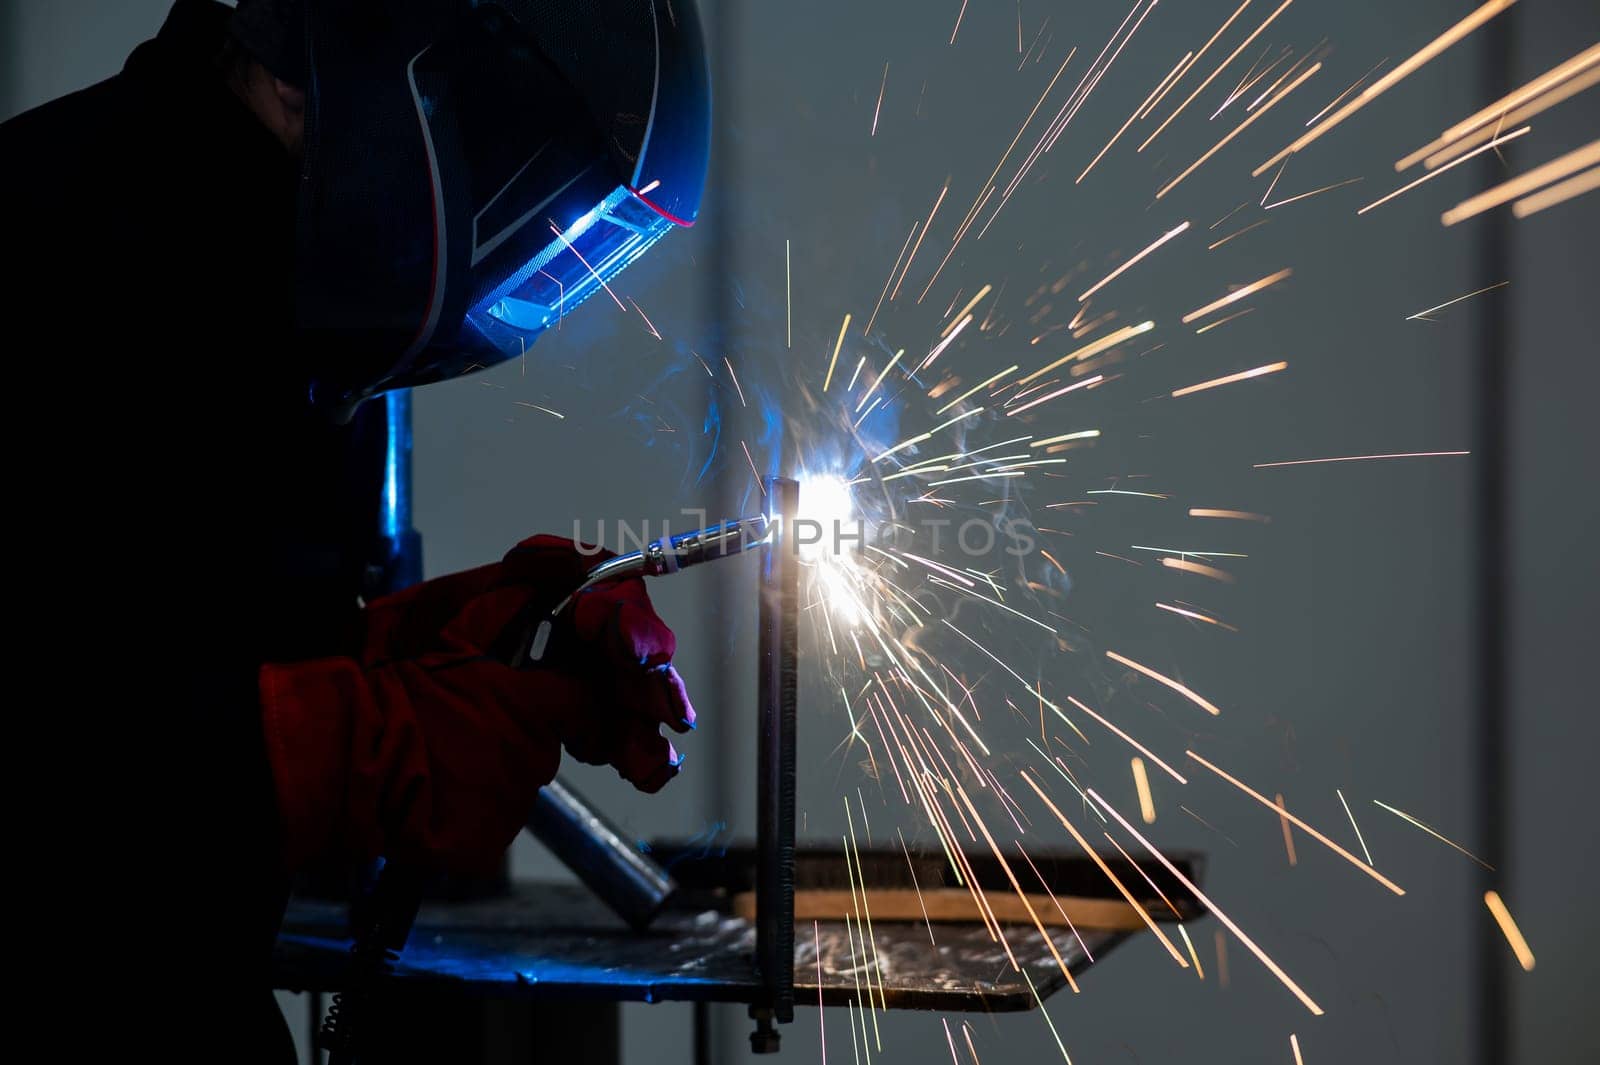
{"x": 475, "y": 170}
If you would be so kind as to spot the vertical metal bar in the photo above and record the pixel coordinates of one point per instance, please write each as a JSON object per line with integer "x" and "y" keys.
{"x": 401, "y": 544}
{"x": 775, "y": 782}
{"x": 1493, "y": 549}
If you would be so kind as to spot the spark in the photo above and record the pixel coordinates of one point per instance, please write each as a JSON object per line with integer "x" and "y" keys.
{"x": 1243, "y": 375}
{"x": 890, "y": 279}
{"x": 648, "y": 189}
{"x": 1198, "y": 56}
{"x": 1168, "y": 681}
{"x": 975, "y": 389}
{"x": 1496, "y": 112}
{"x": 1239, "y": 294}
{"x": 1227, "y": 921}
{"x": 1184, "y": 932}
{"x": 1347, "y": 92}
{"x": 855, "y": 375}
{"x": 877, "y": 965}
{"x": 1390, "y": 80}
{"x": 1561, "y": 192}
{"x": 870, "y": 409}
{"x": 1168, "y": 235}
{"x": 1443, "y": 169}
{"x": 1434, "y": 833}
{"x": 1087, "y": 383}
{"x": 536, "y": 406}
{"x": 1241, "y": 127}
{"x": 1359, "y": 837}
{"x": 912, "y": 867}
{"x": 1141, "y": 783}
{"x": 1075, "y": 100}
{"x": 1135, "y": 744}
{"x": 970, "y": 1048}
{"x": 1237, "y": 233}
{"x": 955, "y": 323}
{"x": 1085, "y": 434}
{"x": 916, "y": 247}
{"x": 1124, "y": 491}
{"x": 1182, "y": 552}
{"x": 836, "y": 346}
{"x": 1053, "y": 561}
{"x": 1274, "y": 183}
{"x": 822, "y": 1024}
{"x": 1110, "y": 340}
{"x": 879, "y": 380}
{"x": 1245, "y": 85}
{"x": 736, "y": 384}
{"x": 985, "y": 476}
{"x": 1520, "y": 115}
{"x": 1360, "y": 458}
{"x": 1136, "y": 113}
{"x": 1046, "y": 1015}
{"x": 972, "y": 212}
{"x": 1194, "y": 567}
{"x": 1005, "y": 867}
{"x": 1239, "y": 515}
{"x": 945, "y": 343}
{"x": 1094, "y": 855}
{"x": 1281, "y": 78}
{"x": 1080, "y": 92}
{"x": 1288, "y": 835}
{"x": 1229, "y": 215}
{"x": 881, "y": 87}
{"x": 1294, "y": 1045}
{"x": 1313, "y": 192}
{"x": 1223, "y": 321}
{"x": 788, "y": 299}
{"x": 563, "y": 238}
{"x": 1458, "y": 299}
{"x": 753, "y": 471}
{"x": 1224, "y": 65}
{"x": 951, "y": 1040}
{"x": 1197, "y": 616}
{"x": 1301, "y": 825}
{"x": 1509, "y": 929}
{"x": 653, "y": 330}
{"x": 959, "y": 16}
{"x": 1087, "y": 953}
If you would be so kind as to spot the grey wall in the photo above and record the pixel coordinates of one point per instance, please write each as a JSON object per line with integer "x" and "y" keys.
{"x": 1354, "y": 665}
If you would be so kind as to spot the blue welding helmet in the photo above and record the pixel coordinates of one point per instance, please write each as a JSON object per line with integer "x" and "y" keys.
{"x": 476, "y": 169}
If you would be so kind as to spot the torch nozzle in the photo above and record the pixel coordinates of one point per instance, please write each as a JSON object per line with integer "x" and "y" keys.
{"x": 672, "y": 553}
{"x": 659, "y": 557}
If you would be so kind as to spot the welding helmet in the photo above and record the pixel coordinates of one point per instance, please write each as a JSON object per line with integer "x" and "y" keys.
{"x": 476, "y": 169}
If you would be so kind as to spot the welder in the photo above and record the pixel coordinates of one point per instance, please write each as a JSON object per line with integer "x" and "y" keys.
{"x": 269, "y": 217}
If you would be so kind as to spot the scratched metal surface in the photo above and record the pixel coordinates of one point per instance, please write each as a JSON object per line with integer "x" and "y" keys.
{"x": 556, "y": 940}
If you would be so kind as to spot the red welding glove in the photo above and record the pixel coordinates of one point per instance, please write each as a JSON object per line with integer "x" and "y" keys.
{"x": 426, "y": 746}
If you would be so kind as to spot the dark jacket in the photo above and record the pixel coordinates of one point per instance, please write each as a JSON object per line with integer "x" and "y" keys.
{"x": 187, "y": 517}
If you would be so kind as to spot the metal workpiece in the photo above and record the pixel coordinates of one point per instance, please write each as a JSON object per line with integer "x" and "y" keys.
{"x": 631, "y": 883}
{"x": 775, "y": 766}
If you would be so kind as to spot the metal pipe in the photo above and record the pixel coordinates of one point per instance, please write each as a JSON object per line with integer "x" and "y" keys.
{"x": 634, "y": 885}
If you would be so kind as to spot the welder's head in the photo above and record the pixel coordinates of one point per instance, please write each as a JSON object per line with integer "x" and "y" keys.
{"x": 475, "y": 169}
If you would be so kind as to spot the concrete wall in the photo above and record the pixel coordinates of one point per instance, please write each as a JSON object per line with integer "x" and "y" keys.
{"x": 1354, "y": 665}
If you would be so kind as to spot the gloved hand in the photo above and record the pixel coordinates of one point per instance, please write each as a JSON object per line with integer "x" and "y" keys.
{"x": 425, "y": 745}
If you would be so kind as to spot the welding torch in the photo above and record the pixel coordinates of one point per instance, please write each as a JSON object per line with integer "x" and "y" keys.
{"x": 657, "y": 559}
